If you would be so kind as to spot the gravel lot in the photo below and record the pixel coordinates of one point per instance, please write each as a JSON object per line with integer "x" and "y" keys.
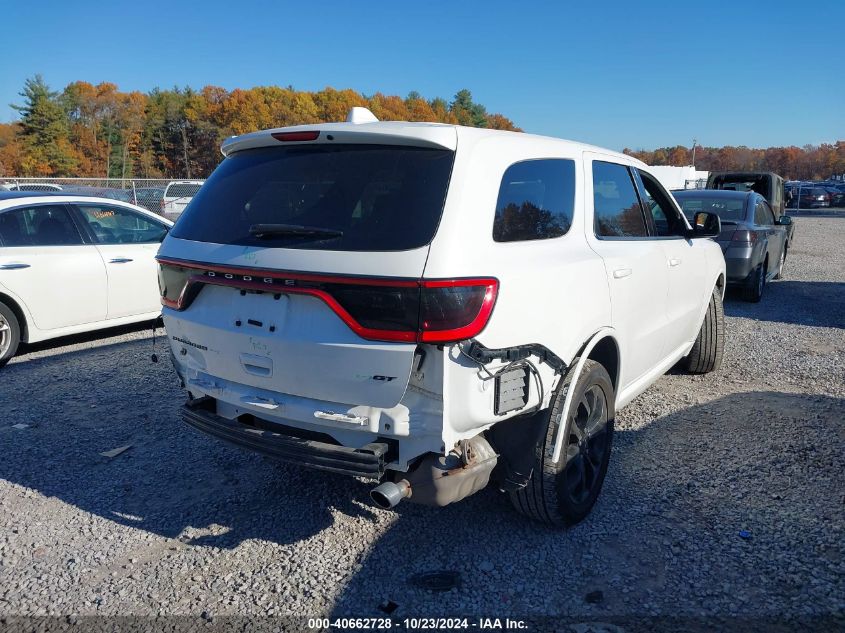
{"x": 183, "y": 524}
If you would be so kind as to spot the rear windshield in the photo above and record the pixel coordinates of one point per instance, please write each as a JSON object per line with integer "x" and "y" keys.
{"x": 360, "y": 197}
{"x": 728, "y": 209}
{"x": 182, "y": 190}
{"x": 759, "y": 183}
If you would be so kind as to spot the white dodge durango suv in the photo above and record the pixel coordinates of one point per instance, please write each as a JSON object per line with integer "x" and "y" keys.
{"x": 435, "y": 307}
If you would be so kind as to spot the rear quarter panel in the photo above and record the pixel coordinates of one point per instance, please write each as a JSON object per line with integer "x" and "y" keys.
{"x": 554, "y": 291}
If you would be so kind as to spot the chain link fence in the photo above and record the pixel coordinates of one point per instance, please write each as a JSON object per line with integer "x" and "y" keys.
{"x": 162, "y": 196}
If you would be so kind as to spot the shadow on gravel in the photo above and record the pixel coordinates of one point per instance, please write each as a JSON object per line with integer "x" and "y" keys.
{"x": 816, "y": 303}
{"x": 173, "y": 481}
{"x": 86, "y": 337}
{"x": 665, "y": 537}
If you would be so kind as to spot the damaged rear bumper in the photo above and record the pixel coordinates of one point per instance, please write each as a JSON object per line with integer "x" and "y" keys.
{"x": 280, "y": 443}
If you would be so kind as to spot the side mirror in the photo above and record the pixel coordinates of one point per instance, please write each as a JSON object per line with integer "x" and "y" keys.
{"x": 705, "y": 224}
{"x": 784, "y": 220}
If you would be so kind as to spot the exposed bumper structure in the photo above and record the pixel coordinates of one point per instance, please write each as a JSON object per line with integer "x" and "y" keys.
{"x": 367, "y": 461}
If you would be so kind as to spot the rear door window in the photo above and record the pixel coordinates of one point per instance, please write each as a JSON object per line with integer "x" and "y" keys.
{"x": 43, "y": 225}
{"x": 536, "y": 200}
{"x": 768, "y": 214}
{"x": 761, "y": 217}
{"x": 348, "y": 198}
{"x": 617, "y": 208}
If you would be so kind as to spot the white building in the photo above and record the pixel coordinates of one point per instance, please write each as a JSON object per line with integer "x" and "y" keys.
{"x": 687, "y": 177}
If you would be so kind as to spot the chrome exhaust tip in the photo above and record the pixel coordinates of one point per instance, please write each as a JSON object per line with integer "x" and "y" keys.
{"x": 389, "y": 494}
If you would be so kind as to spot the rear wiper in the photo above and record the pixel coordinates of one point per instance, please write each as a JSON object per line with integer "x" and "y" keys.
{"x": 291, "y": 230}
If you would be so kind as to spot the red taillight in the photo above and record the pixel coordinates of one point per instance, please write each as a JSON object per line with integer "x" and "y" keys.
{"x": 455, "y": 310}
{"x": 744, "y": 236}
{"x": 379, "y": 309}
{"x": 296, "y": 136}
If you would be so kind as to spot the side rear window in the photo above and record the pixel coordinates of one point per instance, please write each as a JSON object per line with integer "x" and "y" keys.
{"x": 759, "y": 215}
{"x": 536, "y": 200}
{"x": 617, "y": 210}
{"x": 45, "y": 225}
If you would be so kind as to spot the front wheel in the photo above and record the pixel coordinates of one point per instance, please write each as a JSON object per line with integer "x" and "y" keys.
{"x": 563, "y": 491}
{"x": 708, "y": 349}
{"x": 10, "y": 334}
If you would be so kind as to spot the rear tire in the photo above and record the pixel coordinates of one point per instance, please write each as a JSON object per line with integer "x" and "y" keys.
{"x": 563, "y": 492}
{"x": 754, "y": 290}
{"x": 709, "y": 347}
{"x": 10, "y": 334}
{"x": 782, "y": 261}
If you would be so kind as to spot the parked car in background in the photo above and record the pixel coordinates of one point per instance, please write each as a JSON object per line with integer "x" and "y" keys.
{"x": 31, "y": 186}
{"x": 124, "y": 195}
{"x": 435, "y": 307}
{"x": 808, "y": 196}
{"x": 149, "y": 197}
{"x": 177, "y": 195}
{"x": 754, "y": 243}
{"x": 837, "y": 195}
{"x": 768, "y": 184}
{"x": 71, "y": 263}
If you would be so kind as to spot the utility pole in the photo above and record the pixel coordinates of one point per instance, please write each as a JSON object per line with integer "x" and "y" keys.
{"x": 694, "y": 141}
{"x": 185, "y": 147}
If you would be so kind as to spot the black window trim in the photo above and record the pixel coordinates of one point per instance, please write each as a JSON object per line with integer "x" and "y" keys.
{"x": 650, "y": 219}
{"x": 621, "y": 238}
{"x": 574, "y": 205}
{"x": 81, "y": 232}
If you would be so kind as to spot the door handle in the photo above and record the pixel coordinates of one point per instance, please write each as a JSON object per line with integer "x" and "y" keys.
{"x": 674, "y": 262}
{"x": 120, "y": 260}
{"x": 13, "y": 266}
{"x": 619, "y": 273}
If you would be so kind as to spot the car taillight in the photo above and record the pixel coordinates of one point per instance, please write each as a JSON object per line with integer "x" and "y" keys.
{"x": 455, "y": 310}
{"x": 379, "y": 309}
{"x": 744, "y": 236}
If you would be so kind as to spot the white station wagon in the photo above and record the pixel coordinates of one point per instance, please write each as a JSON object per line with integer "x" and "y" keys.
{"x": 71, "y": 264}
{"x": 435, "y": 307}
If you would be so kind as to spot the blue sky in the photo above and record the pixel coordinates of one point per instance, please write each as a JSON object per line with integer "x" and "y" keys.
{"x": 617, "y": 74}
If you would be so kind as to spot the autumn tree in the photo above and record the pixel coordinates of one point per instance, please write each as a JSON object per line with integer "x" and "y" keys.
{"x": 97, "y": 130}
{"x": 44, "y": 132}
{"x": 468, "y": 112}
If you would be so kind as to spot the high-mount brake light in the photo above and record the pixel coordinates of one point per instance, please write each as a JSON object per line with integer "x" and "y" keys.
{"x": 296, "y": 136}
{"x": 378, "y": 309}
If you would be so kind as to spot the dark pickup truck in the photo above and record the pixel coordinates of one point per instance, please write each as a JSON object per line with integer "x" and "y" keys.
{"x": 768, "y": 184}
